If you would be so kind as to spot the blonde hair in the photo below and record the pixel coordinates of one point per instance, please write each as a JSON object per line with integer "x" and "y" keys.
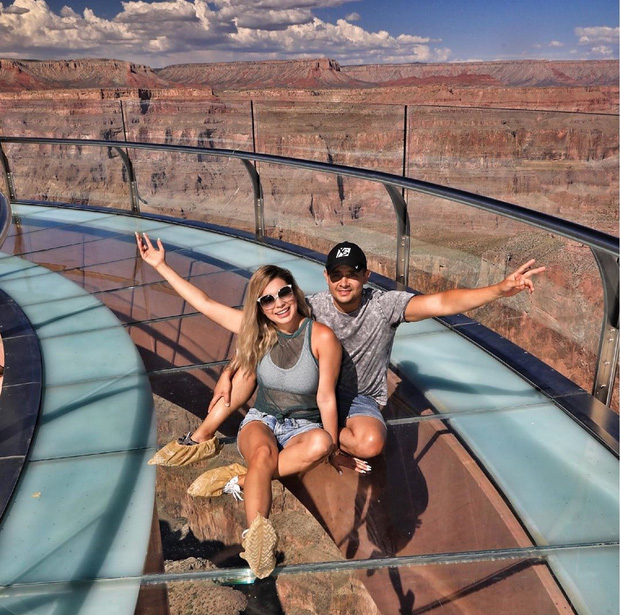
{"x": 258, "y": 334}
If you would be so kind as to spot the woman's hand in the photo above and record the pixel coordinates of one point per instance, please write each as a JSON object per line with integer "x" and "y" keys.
{"x": 150, "y": 255}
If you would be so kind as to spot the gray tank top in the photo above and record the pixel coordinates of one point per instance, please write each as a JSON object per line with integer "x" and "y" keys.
{"x": 288, "y": 377}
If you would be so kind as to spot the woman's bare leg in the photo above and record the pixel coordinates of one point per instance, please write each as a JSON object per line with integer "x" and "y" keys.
{"x": 243, "y": 385}
{"x": 258, "y": 446}
{"x": 303, "y": 452}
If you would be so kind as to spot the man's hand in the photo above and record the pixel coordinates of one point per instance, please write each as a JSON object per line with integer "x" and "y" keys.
{"x": 222, "y": 390}
{"x": 340, "y": 460}
{"x": 150, "y": 255}
{"x": 520, "y": 280}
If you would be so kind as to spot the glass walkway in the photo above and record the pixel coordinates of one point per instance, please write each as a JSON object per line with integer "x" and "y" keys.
{"x": 497, "y": 492}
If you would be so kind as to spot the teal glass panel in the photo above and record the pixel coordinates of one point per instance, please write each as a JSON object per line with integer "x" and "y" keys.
{"x": 72, "y": 315}
{"x": 183, "y": 237}
{"x": 95, "y": 417}
{"x": 126, "y": 225}
{"x": 30, "y": 284}
{"x": 68, "y": 216}
{"x": 79, "y": 518}
{"x": 27, "y": 210}
{"x": 429, "y": 325}
{"x": 12, "y": 266}
{"x": 457, "y": 376}
{"x": 575, "y": 497}
{"x": 246, "y": 255}
{"x": 590, "y": 578}
{"x": 309, "y": 275}
{"x": 94, "y": 355}
{"x": 90, "y": 598}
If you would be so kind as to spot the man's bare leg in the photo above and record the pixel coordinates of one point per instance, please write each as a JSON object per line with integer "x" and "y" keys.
{"x": 363, "y": 437}
{"x": 243, "y": 385}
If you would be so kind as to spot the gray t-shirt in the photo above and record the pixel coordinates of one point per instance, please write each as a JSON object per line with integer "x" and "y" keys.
{"x": 366, "y": 335}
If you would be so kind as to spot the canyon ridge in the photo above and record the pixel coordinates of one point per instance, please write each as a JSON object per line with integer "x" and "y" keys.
{"x": 541, "y": 134}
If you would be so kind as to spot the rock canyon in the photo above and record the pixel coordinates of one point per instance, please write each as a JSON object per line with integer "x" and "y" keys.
{"x": 540, "y": 134}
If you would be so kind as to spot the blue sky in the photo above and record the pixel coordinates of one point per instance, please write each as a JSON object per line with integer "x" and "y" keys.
{"x": 350, "y": 31}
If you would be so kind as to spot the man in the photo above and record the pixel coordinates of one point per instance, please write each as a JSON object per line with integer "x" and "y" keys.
{"x": 365, "y": 321}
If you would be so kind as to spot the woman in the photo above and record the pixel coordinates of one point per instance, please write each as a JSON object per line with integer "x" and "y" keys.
{"x": 297, "y": 362}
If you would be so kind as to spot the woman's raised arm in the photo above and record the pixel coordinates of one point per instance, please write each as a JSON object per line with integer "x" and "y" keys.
{"x": 223, "y": 315}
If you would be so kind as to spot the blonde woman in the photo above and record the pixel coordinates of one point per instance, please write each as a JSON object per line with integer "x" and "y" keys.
{"x": 297, "y": 362}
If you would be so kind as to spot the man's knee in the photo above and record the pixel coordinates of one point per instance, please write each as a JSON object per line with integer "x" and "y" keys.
{"x": 366, "y": 440}
{"x": 371, "y": 445}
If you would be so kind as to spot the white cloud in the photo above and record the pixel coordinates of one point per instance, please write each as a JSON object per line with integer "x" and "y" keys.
{"x": 353, "y": 17}
{"x": 343, "y": 41}
{"x": 176, "y": 31}
{"x": 596, "y": 35}
{"x": 556, "y": 44}
{"x": 14, "y": 10}
{"x": 602, "y": 50}
{"x": 602, "y": 41}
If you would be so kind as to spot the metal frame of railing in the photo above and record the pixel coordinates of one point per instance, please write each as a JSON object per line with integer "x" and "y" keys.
{"x": 605, "y": 248}
{"x": 5, "y": 217}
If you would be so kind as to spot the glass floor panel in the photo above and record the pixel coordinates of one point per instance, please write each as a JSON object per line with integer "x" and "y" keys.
{"x": 487, "y": 498}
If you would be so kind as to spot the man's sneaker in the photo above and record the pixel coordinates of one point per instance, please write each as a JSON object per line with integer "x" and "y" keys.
{"x": 259, "y": 543}
{"x": 185, "y": 451}
{"x": 214, "y": 482}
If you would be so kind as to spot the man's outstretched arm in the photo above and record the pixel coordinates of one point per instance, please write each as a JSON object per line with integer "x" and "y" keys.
{"x": 460, "y": 300}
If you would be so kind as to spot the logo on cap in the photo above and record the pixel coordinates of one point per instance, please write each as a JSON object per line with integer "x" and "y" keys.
{"x": 343, "y": 252}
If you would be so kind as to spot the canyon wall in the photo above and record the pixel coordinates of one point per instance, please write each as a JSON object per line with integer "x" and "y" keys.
{"x": 543, "y": 135}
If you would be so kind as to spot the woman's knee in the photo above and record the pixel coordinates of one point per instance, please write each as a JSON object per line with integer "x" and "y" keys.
{"x": 262, "y": 455}
{"x": 318, "y": 445}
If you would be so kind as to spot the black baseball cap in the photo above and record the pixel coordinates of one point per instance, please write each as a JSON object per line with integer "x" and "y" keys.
{"x": 346, "y": 253}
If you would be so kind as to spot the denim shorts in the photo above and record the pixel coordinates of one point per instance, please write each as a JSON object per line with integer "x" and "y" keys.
{"x": 360, "y": 405}
{"x": 283, "y": 431}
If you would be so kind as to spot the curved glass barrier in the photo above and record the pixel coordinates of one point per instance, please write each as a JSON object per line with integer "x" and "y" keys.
{"x": 441, "y": 242}
{"x": 448, "y": 521}
{"x": 428, "y": 530}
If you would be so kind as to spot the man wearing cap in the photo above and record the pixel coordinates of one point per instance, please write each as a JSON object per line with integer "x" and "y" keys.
{"x": 365, "y": 321}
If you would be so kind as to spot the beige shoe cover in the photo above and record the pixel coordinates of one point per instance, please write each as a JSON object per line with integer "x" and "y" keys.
{"x": 211, "y": 483}
{"x": 175, "y": 454}
{"x": 260, "y": 545}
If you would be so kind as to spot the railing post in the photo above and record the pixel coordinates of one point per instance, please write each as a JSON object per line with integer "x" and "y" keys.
{"x": 5, "y": 217}
{"x": 8, "y": 176}
{"x": 133, "y": 186}
{"x": 403, "y": 236}
{"x": 259, "y": 200}
{"x": 405, "y": 152}
{"x": 607, "y": 361}
{"x": 259, "y": 203}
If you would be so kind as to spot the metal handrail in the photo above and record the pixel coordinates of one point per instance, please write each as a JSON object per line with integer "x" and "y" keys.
{"x": 5, "y": 217}
{"x": 604, "y": 247}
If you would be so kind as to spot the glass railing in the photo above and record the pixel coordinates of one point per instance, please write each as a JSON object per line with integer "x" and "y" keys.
{"x": 423, "y": 235}
{"x": 433, "y": 528}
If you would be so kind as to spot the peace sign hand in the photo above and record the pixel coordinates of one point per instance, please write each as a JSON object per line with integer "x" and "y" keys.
{"x": 520, "y": 280}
